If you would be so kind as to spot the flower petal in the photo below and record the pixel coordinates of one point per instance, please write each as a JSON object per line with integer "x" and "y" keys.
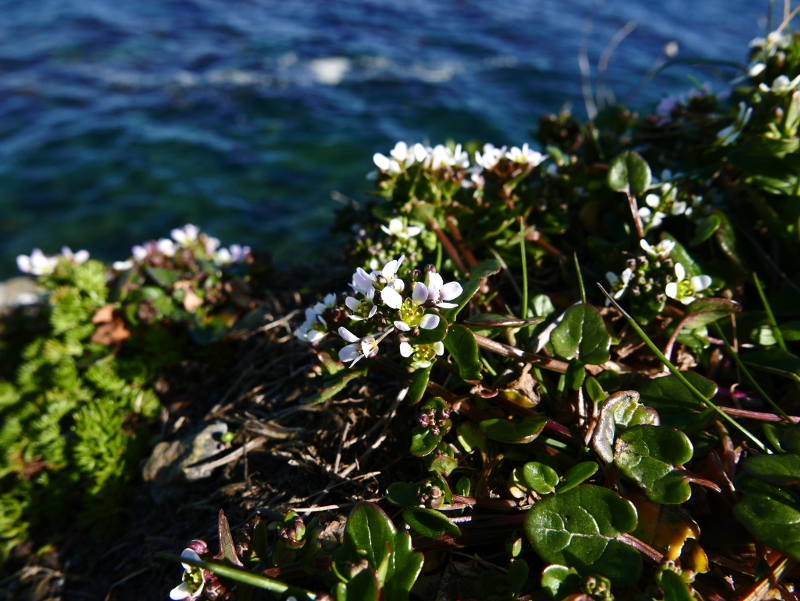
{"x": 352, "y": 303}
{"x": 700, "y": 282}
{"x": 348, "y": 335}
{"x": 350, "y": 353}
{"x": 671, "y": 290}
{"x": 450, "y": 291}
{"x": 180, "y": 592}
{"x": 391, "y": 297}
{"x": 406, "y": 350}
{"x": 402, "y": 326}
{"x": 680, "y": 272}
{"x": 429, "y": 321}
{"x": 438, "y": 348}
{"x": 420, "y": 293}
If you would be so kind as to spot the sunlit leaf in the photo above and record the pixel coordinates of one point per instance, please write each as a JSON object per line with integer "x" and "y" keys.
{"x": 674, "y": 588}
{"x": 778, "y": 469}
{"x": 620, "y": 411}
{"x": 651, "y": 456}
{"x": 704, "y": 311}
{"x": 629, "y": 173}
{"x": 664, "y": 527}
{"x": 579, "y": 529}
{"x": 582, "y": 335}
{"x": 429, "y": 522}
{"x": 519, "y": 432}
{"x": 335, "y": 386}
{"x": 461, "y": 343}
{"x": 469, "y": 288}
{"x": 560, "y": 581}
{"x": 705, "y": 229}
{"x": 770, "y": 512}
{"x": 539, "y": 477}
{"x": 577, "y": 475}
{"x": 419, "y": 383}
{"x": 675, "y": 404}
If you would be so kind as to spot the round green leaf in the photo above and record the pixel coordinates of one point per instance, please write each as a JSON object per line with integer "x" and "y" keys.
{"x": 621, "y": 410}
{"x": 576, "y": 475}
{"x": 429, "y": 522}
{"x": 423, "y": 441}
{"x": 778, "y": 469}
{"x": 503, "y": 430}
{"x": 579, "y": 529}
{"x": 651, "y": 456}
{"x": 582, "y": 335}
{"x": 539, "y": 477}
{"x": 629, "y": 173}
{"x": 560, "y": 580}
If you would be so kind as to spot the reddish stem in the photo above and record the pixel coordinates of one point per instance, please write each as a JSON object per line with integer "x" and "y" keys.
{"x": 448, "y": 246}
{"x": 453, "y": 227}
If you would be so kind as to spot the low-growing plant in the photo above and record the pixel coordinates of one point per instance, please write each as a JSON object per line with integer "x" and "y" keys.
{"x": 604, "y": 438}
{"x": 76, "y": 408}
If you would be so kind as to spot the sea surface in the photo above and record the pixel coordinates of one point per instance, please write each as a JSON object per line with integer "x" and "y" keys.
{"x": 250, "y": 118}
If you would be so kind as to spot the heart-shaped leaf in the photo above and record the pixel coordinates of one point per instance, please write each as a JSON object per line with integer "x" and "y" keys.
{"x": 577, "y": 475}
{"x": 539, "y": 477}
{"x": 651, "y": 456}
{"x": 579, "y": 529}
{"x": 620, "y": 411}
{"x": 582, "y": 335}
{"x": 520, "y": 432}
{"x": 461, "y": 343}
{"x": 629, "y": 173}
{"x": 492, "y": 320}
{"x": 429, "y": 522}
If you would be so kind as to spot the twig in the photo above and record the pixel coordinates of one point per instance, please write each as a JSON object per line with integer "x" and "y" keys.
{"x": 278, "y": 322}
{"x": 448, "y": 246}
{"x": 246, "y": 448}
{"x": 453, "y": 226}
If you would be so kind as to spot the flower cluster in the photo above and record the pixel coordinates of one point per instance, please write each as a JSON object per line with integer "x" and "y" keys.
{"x": 380, "y": 297}
{"x": 188, "y": 238}
{"x": 40, "y": 264}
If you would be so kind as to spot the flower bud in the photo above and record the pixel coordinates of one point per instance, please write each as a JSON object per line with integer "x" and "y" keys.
{"x": 424, "y": 420}
{"x": 430, "y": 268}
{"x": 414, "y": 275}
{"x": 198, "y": 546}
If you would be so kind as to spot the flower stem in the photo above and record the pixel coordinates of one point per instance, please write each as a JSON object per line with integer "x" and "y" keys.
{"x": 524, "y": 312}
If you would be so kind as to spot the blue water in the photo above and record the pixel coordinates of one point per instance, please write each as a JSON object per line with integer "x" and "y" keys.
{"x": 121, "y": 120}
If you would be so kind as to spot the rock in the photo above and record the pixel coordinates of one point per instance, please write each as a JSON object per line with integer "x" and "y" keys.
{"x": 170, "y": 464}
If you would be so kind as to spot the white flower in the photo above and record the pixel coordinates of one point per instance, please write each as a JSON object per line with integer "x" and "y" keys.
{"x": 362, "y": 309}
{"x": 421, "y": 153}
{"x": 412, "y": 312}
{"x": 421, "y": 355}
{"x": 756, "y": 69}
{"x": 402, "y": 154}
{"x": 185, "y": 235}
{"x": 37, "y": 264}
{"x": 401, "y": 230}
{"x": 239, "y": 253}
{"x": 210, "y": 244}
{"x": 525, "y": 156}
{"x": 122, "y": 265}
{"x": 441, "y": 156}
{"x": 193, "y": 579}
{"x": 619, "y": 283}
{"x": 386, "y": 164}
{"x": 223, "y": 256}
{"x": 439, "y": 293}
{"x": 327, "y": 303}
{"x": 166, "y": 247}
{"x": 780, "y": 84}
{"x": 360, "y": 347}
{"x": 490, "y": 157}
{"x": 686, "y": 289}
{"x": 660, "y": 251}
{"x": 77, "y": 258}
{"x": 385, "y": 280}
{"x": 139, "y": 252}
{"x": 314, "y": 327}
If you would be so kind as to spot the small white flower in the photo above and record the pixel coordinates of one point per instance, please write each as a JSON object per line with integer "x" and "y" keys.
{"x": 780, "y": 84}
{"x": 525, "y": 156}
{"x": 385, "y": 280}
{"x": 139, "y": 252}
{"x": 421, "y": 153}
{"x": 77, "y": 258}
{"x": 660, "y": 251}
{"x": 362, "y": 309}
{"x": 327, "y": 303}
{"x": 441, "y": 156}
{"x": 37, "y": 264}
{"x": 402, "y": 154}
{"x": 122, "y": 265}
{"x": 386, "y": 164}
{"x": 223, "y": 256}
{"x": 314, "y": 328}
{"x": 728, "y": 135}
{"x": 440, "y": 293}
{"x": 193, "y": 580}
{"x": 412, "y": 311}
{"x": 490, "y": 157}
{"x": 400, "y": 230}
{"x": 686, "y": 289}
{"x": 185, "y": 235}
{"x": 210, "y": 244}
{"x": 359, "y": 347}
{"x": 756, "y": 69}
{"x": 166, "y": 247}
{"x": 619, "y": 283}
{"x": 421, "y": 355}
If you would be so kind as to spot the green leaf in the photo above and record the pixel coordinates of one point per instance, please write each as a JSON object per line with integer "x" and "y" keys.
{"x": 419, "y": 383}
{"x": 651, "y": 456}
{"x": 163, "y": 277}
{"x": 471, "y": 437}
{"x": 363, "y": 587}
{"x": 575, "y": 374}
{"x": 226, "y": 543}
{"x": 521, "y": 432}
{"x": 539, "y": 477}
{"x": 403, "y": 494}
{"x": 560, "y": 581}
{"x": 461, "y": 343}
{"x": 335, "y": 386}
{"x": 620, "y": 411}
{"x": 368, "y": 534}
{"x": 429, "y": 522}
{"x": 595, "y": 390}
{"x": 469, "y": 289}
{"x": 579, "y": 529}
{"x": 576, "y": 475}
{"x": 704, "y": 311}
{"x": 674, "y": 588}
{"x": 485, "y": 269}
{"x": 773, "y": 518}
{"x": 423, "y": 441}
{"x": 517, "y": 575}
{"x": 675, "y": 404}
{"x": 629, "y": 173}
{"x": 492, "y": 320}
{"x": 790, "y": 441}
{"x": 778, "y": 469}
{"x": 582, "y": 334}
{"x": 705, "y": 229}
